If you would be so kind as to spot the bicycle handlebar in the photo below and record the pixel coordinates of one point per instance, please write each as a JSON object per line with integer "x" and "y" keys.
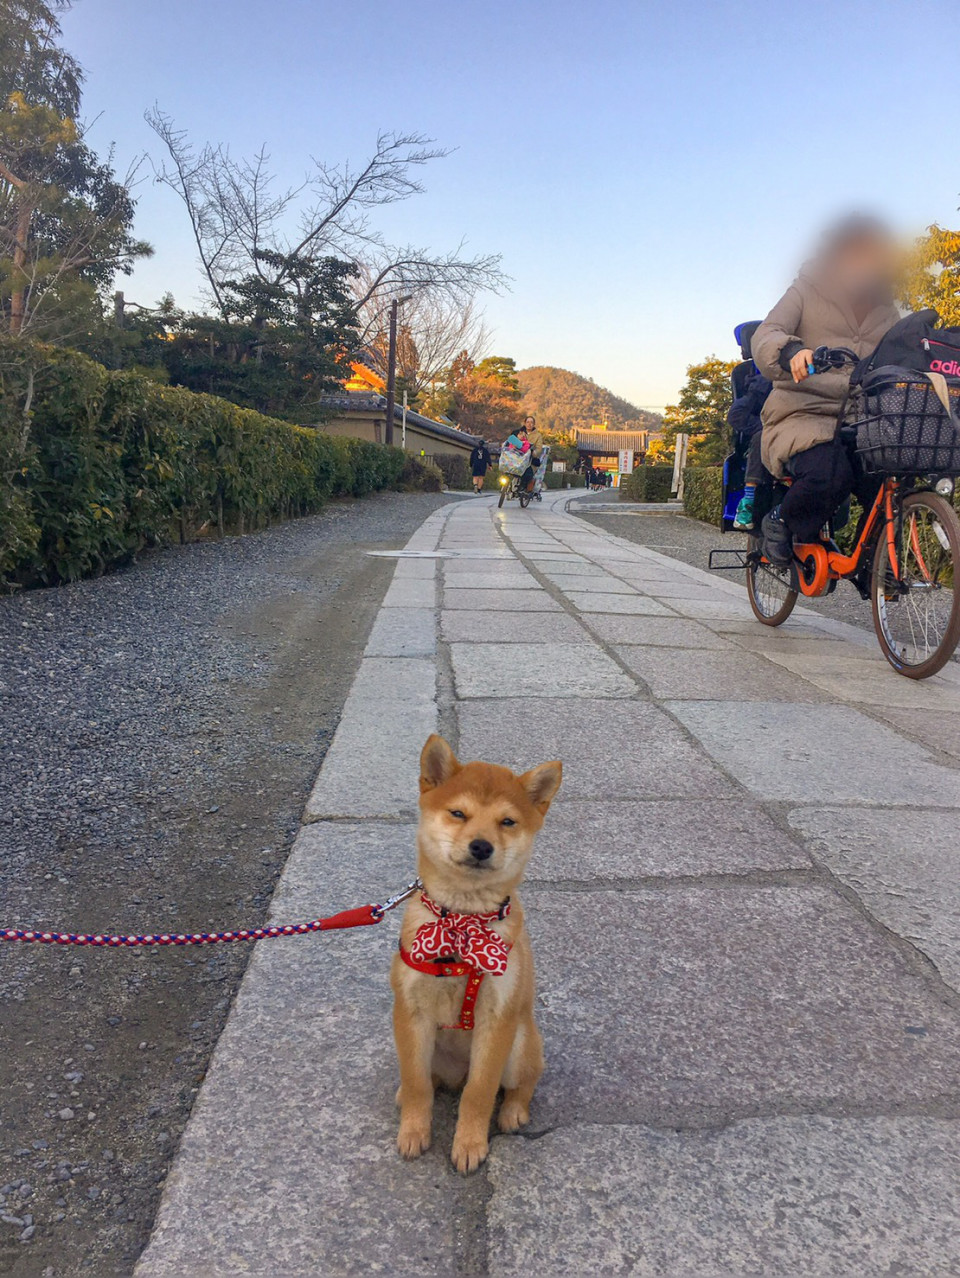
{"x": 827, "y": 357}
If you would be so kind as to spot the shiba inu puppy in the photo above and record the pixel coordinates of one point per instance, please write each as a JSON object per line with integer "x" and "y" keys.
{"x": 463, "y": 981}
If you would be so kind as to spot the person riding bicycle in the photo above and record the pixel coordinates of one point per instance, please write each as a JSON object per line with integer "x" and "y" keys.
{"x": 529, "y": 432}
{"x": 842, "y": 297}
{"x": 751, "y": 389}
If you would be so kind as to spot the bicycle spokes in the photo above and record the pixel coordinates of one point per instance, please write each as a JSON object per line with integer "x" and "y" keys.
{"x": 915, "y": 608}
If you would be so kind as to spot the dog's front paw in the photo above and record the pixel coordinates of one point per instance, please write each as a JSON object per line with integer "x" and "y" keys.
{"x": 413, "y": 1140}
{"x": 514, "y": 1114}
{"x": 469, "y": 1152}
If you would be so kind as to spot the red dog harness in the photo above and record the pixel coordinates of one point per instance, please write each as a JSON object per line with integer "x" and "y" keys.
{"x": 459, "y": 945}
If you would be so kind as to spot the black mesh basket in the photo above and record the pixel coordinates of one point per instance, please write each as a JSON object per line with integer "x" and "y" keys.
{"x": 905, "y": 430}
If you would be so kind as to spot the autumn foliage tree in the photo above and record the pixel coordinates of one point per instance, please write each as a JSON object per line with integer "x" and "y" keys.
{"x": 701, "y": 411}
{"x": 933, "y": 277}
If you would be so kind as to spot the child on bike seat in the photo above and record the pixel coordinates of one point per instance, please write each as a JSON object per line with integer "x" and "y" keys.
{"x": 744, "y": 417}
{"x": 842, "y": 297}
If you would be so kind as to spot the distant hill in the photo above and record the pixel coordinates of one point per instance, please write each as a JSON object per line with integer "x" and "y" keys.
{"x": 561, "y": 400}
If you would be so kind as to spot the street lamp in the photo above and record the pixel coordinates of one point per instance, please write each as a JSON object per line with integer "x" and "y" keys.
{"x": 392, "y": 365}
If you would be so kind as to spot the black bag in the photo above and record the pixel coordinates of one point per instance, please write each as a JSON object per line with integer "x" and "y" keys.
{"x": 917, "y": 344}
{"x": 904, "y": 428}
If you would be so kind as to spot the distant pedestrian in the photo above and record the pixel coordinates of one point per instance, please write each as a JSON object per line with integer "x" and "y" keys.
{"x": 479, "y": 464}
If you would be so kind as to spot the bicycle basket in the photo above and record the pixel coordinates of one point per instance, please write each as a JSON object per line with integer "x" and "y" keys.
{"x": 512, "y": 462}
{"x": 905, "y": 430}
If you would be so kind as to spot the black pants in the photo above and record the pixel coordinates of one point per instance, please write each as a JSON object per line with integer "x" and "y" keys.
{"x": 756, "y": 472}
{"x": 822, "y": 479}
{"x": 526, "y": 479}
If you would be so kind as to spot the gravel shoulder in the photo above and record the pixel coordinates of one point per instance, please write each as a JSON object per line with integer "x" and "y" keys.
{"x": 160, "y": 729}
{"x": 691, "y": 541}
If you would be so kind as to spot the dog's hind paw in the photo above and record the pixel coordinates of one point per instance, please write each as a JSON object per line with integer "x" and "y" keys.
{"x": 513, "y": 1115}
{"x": 469, "y": 1153}
{"x": 413, "y": 1141}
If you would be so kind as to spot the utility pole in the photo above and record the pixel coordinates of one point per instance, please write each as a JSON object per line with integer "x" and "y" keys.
{"x": 392, "y": 366}
{"x": 392, "y": 371}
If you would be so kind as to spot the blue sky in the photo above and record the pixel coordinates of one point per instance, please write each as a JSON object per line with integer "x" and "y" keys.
{"x": 651, "y": 172}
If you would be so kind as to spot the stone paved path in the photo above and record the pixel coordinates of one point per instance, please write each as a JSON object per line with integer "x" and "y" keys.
{"x": 746, "y": 916}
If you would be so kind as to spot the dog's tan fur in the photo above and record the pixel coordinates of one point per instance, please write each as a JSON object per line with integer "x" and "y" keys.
{"x": 504, "y": 1049}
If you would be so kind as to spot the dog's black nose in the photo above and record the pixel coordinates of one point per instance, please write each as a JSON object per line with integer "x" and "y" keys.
{"x": 481, "y": 849}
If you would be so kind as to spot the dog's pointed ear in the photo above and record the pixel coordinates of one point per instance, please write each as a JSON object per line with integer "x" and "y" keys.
{"x": 542, "y": 784}
{"x": 438, "y": 763}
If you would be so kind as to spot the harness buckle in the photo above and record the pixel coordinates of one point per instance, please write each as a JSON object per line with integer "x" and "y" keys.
{"x": 398, "y": 898}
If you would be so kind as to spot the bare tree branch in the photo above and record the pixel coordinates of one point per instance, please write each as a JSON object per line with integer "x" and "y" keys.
{"x": 242, "y": 226}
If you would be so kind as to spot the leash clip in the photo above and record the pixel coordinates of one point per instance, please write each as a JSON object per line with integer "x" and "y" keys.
{"x": 398, "y": 898}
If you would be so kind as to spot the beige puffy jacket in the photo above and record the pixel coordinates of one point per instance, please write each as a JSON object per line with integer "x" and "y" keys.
{"x": 815, "y": 313}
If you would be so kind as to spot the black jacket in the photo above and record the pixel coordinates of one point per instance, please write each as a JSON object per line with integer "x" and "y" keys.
{"x": 480, "y": 455}
{"x": 744, "y": 414}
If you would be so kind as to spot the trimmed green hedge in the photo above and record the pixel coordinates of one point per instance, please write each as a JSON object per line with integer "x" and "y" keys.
{"x": 420, "y": 476}
{"x": 455, "y": 470}
{"x": 95, "y": 465}
{"x": 647, "y": 483}
{"x": 563, "y": 479}
{"x": 703, "y": 493}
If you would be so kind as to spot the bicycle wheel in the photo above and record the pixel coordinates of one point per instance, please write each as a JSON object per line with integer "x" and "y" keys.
{"x": 916, "y": 610}
{"x": 525, "y": 499}
{"x": 772, "y": 590}
{"x": 503, "y": 494}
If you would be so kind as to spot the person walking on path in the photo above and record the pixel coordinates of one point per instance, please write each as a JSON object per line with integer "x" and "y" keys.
{"x": 479, "y": 464}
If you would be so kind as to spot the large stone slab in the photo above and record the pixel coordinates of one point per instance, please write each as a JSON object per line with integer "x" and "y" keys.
{"x": 548, "y": 670}
{"x": 288, "y": 1164}
{"x": 571, "y": 565}
{"x": 870, "y": 680}
{"x": 791, "y": 1197}
{"x": 486, "y": 580}
{"x": 597, "y": 584}
{"x": 631, "y": 605}
{"x": 629, "y": 840}
{"x": 906, "y": 872}
{"x": 372, "y": 767}
{"x": 610, "y": 749}
{"x": 699, "y": 1005}
{"x": 722, "y": 606}
{"x": 411, "y": 592}
{"x": 662, "y": 632}
{"x": 681, "y": 589}
{"x": 939, "y": 732}
{"x": 818, "y": 754}
{"x": 702, "y": 675}
{"x": 458, "y": 625}
{"x": 403, "y": 632}
{"x": 500, "y": 601}
{"x": 398, "y": 679}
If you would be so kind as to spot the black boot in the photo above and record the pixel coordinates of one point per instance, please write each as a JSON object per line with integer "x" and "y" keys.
{"x": 777, "y": 539}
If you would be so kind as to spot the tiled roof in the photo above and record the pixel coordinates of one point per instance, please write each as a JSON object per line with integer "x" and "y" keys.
{"x": 368, "y": 402}
{"x": 603, "y": 442}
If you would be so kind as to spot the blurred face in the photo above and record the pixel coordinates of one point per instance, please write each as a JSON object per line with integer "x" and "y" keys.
{"x": 870, "y": 258}
{"x": 528, "y": 423}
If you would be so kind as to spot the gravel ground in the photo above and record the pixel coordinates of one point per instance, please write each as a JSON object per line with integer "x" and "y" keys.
{"x": 160, "y": 730}
{"x": 691, "y": 541}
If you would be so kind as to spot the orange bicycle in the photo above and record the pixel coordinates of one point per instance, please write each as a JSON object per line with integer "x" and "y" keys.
{"x": 906, "y": 552}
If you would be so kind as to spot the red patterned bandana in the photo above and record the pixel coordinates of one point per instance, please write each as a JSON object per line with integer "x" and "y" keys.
{"x": 467, "y": 936}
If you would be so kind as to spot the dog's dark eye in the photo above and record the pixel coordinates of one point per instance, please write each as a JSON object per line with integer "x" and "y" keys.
{"x": 457, "y": 814}
{"x": 508, "y": 821}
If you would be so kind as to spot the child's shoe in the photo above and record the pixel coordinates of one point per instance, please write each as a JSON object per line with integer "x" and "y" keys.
{"x": 743, "y": 519}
